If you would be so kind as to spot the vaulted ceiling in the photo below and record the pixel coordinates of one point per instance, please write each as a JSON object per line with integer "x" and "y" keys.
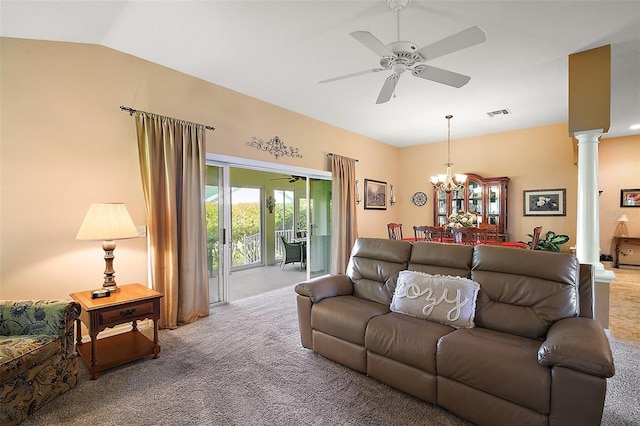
{"x": 278, "y": 51}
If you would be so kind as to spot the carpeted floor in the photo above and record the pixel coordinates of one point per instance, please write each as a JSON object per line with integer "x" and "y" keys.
{"x": 244, "y": 365}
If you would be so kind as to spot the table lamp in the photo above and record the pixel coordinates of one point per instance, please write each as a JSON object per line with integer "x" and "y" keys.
{"x": 621, "y": 229}
{"x": 107, "y": 222}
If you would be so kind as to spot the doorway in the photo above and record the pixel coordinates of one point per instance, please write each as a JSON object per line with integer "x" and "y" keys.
{"x": 242, "y": 243}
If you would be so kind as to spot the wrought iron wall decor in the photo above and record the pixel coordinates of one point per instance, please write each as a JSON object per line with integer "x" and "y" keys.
{"x": 275, "y": 147}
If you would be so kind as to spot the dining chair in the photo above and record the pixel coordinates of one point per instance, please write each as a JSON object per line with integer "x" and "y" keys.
{"x": 428, "y": 233}
{"x": 492, "y": 232}
{"x": 394, "y": 230}
{"x": 470, "y": 236}
{"x": 535, "y": 237}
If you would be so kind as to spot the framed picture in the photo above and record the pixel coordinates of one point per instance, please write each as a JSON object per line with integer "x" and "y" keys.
{"x": 375, "y": 195}
{"x": 545, "y": 202}
{"x": 630, "y": 197}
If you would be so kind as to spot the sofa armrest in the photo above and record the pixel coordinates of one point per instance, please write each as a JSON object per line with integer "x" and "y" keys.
{"x": 325, "y": 286}
{"x": 580, "y": 344}
{"x": 48, "y": 317}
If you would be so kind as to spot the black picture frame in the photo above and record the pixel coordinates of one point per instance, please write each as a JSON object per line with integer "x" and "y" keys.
{"x": 630, "y": 197}
{"x": 545, "y": 202}
{"x": 375, "y": 195}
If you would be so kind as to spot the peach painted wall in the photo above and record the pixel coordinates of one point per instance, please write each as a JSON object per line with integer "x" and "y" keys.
{"x": 619, "y": 168}
{"x": 65, "y": 144}
{"x": 536, "y": 158}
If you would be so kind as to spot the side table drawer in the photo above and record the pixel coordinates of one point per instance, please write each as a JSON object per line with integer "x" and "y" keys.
{"x": 126, "y": 313}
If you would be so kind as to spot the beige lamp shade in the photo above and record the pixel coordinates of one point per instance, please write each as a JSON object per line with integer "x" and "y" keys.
{"x": 107, "y": 221}
{"x": 622, "y": 230}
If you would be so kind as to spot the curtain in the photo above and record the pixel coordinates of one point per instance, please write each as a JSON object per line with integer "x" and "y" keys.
{"x": 344, "y": 220}
{"x": 172, "y": 166}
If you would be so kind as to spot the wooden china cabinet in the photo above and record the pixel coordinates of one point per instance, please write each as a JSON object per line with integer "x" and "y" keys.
{"x": 486, "y": 197}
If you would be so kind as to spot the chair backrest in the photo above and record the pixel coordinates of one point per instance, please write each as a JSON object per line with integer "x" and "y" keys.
{"x": 395, "y": 231}
{"x": 428, "y": 233}
{"x": 535, "y": 237}
{"x": 492, "y": 232}
{"x": 470, "y": 236}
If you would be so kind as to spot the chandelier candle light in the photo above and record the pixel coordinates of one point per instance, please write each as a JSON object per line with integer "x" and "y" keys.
{"x": 108, "y": 222}
{"x": 448, "y": 182}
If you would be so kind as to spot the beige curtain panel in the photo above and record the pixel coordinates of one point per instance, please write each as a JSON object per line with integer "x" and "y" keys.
{"x": 172, "y": 165}
{"x": 344, "y": 224}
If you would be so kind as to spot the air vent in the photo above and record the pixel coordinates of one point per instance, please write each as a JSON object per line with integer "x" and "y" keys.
{"x": 499, "y": 112}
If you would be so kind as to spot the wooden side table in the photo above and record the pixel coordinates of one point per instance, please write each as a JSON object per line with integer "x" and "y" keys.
{"x": 132, "y": 303}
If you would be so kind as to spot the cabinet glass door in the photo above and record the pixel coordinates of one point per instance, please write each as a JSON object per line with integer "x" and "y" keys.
{"x": 457, "y": 201}
{"x": 493, "y": 205}
{"x": 475, "y": 198}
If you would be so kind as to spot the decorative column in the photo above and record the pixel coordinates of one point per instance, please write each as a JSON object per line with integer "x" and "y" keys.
{"x": 588, "y": 220}
{"x": 589, "y": 117}
{"x": 588, "y": 223}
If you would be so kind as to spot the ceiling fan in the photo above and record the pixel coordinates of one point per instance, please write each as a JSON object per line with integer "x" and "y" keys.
{"x": 291, "y": 179}
{"x": 400, "y": 56}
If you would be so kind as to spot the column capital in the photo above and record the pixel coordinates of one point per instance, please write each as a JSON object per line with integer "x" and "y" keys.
{"x": 582, "y": 134}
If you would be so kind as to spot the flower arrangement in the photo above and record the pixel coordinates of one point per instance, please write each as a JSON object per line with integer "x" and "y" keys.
{"x": 461, "y": 219}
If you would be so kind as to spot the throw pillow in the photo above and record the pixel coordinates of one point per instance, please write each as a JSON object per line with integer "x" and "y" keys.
{"x": 445, "y": 299}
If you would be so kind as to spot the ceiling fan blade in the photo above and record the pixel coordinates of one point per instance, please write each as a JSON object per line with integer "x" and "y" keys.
{"x": 370, "y": 41}
{"x": 439, "y": 75}
{"x": 355, "y": 74}
{"x": 462, "y": 40}
{"x": 388, "y": 88}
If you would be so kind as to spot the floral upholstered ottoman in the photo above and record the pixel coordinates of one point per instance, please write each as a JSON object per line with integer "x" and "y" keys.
{"x": 37, "y": 357}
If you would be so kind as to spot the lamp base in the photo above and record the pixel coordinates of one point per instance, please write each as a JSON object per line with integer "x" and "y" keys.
{"x": 621, "y": 230}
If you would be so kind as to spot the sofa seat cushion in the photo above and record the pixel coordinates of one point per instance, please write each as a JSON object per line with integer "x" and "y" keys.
{"x": 499, "y": 364}
{"x": 18, "y": 354}
{"x": 409, "y": 340}
{"x": 345, "y": 317}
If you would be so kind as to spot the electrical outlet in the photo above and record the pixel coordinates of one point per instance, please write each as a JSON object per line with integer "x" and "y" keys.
{"x": 630, "y": 251}
{"x": 142, "y": 231}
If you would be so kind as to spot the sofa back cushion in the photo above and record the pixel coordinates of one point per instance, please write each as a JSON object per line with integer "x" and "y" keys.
{"x": 441, "y": 259}
{"x": 374, "y": 266}
{"x": 523, "y": 292}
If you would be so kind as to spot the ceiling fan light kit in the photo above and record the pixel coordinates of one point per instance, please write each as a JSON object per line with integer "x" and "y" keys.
{"x": 400, "y": 56}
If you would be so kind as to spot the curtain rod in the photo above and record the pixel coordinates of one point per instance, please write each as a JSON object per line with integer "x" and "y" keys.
{"x": 132, "y": 111}
{"x": 331, "y": 154}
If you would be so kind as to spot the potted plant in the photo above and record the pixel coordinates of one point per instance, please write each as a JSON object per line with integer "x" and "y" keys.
{"x": 550, "y": 242}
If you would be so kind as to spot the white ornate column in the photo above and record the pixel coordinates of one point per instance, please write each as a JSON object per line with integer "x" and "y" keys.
{"x": 588, "y": 220}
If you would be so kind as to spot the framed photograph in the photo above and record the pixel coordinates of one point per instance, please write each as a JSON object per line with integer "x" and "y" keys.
{"x": 630, "y": 197}
{"x": 545, "y": 202}
{"x": 375, "y": 195}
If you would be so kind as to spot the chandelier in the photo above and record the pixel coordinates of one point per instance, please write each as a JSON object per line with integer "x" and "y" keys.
{"x": 448, "y": 182}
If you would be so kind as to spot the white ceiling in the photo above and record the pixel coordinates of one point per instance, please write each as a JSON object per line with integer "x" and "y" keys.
{"x": 277, "y": 51}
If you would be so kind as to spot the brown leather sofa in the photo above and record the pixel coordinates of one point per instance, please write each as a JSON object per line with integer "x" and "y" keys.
{"x": 536, "y": 356}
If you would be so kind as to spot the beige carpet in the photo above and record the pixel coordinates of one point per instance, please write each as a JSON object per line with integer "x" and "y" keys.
{"x": 244, "y": 365}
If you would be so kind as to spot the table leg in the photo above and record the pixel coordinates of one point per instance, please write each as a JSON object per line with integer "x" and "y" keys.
{"x": 156, "y": 347}
{"x": 78, "y": 334}
{"x": 93, "y": 365}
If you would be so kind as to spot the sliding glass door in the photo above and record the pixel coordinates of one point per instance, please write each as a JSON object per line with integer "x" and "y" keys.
{"x": 216, "y": 234}
{"x": 319, "y": 208}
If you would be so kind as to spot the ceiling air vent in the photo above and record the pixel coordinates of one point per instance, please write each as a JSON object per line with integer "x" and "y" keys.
{"x": 499, "y": 112}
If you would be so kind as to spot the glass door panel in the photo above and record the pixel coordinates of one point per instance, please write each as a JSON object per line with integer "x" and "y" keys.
{"x": 475, "y": 198}
{"x": 493, "y": 214}
{"x": 215, "y": 233}
{"x": 319, "y": 229}
{"x": 457, "y": 201}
